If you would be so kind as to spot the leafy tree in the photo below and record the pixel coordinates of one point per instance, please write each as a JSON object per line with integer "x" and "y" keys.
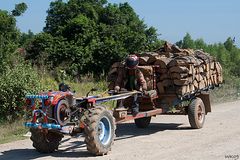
{"x": 229, "y": 44}
{"x": 88, "y": 36}
{"x": 9, "y": 36}
{"x": 36, "y": 48}
{"x": 179, "y": 43}
{"x": 19, "y": 9}
{"x": 200, "y": 44}
{"x": 188, "y": 41}
{"x": 26, "y": 37}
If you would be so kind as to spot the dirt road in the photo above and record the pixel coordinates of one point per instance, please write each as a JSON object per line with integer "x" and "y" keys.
{"x": 168, "y": 137}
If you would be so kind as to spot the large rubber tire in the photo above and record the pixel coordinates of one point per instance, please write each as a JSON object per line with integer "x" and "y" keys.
{"x": 62, "y": 112}
{"x": 196, "y": 113}
{"x": 100, "y": 131}
{"x": 143, "y": 122}
{"x": 45, "y": 143}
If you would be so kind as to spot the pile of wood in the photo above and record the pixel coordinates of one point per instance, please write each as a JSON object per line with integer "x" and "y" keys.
{"x": 175, "y": 70}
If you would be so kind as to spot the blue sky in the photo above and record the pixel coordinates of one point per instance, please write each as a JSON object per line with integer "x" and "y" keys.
{"x": 212, "y": 20}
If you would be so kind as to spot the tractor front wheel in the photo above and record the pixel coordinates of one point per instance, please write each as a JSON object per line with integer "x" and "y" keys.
{"x": 45, "y": 142}
{"x": 100, "y": 131}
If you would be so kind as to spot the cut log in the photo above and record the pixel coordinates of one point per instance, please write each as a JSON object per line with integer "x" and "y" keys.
{"x": 182, "y": 82}
{"x": 178, "y": 75}
{"x": 153, "y": 58}
{"x": 160, "y": 88}
{"x": 183, "y": 90}
{"x": 146, "y": 70}
{"x": 179, "y": 69}
{"x": 162, "y": 63}
{"x": 143, "y": 60}
{"x": 208, "y": 75}
{"x": 200, "y": 69}
{"x": 167, "y": 82}
{"x": 163, "y": 77}
{"x": 161, "y": 70}
{"x": 191, "y": 70}
{"x": 182, "y": 61}
{"x": 203, "y": 56}
{"x": 195, "y": 84}
{"x": 218, "y": 67}
{"x": 214, "y": 79}
{"x": 188, "y": 51}
{"x": 191, "y": 88}
{"x": 219, "y": 79}
{"x": 207, "y": 67}
{"x": 212, "y": 65}
{"x": 201, "y": 85}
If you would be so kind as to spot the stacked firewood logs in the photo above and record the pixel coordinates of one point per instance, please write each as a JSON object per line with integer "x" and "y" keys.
{"x": 175, "y": 70}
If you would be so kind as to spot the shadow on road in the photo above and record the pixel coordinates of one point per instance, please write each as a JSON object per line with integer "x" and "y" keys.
{"x": 129, "y": 130}
{"x": 77, "y": 149}
{"x": 71, "y": 150}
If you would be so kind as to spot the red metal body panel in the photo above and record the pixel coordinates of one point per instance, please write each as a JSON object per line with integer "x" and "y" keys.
{"x": 57, "y": 95}
{"x": 92, "y": 100}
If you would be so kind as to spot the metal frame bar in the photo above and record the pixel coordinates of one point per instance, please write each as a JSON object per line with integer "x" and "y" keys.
{"x": 140, "y": 115}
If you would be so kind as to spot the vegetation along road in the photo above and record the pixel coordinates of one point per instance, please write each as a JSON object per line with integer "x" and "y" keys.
{"x": 167, "y": 137}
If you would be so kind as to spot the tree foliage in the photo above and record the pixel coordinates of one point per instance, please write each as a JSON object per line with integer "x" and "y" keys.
{"x": 19, "y": 9}
{"x": 25, "y": 38}
{"x": 83, "y": 36}
{"x": 9, "y": 36}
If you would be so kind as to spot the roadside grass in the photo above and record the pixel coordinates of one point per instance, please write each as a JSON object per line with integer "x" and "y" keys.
{"x": 80, "y": 88}
{"x": 12, "y": 131}
{"x": 228, "y": 91}
{"x": 224, "y": 94}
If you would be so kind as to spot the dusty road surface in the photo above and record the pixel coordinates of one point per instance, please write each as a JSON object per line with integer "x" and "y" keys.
{"x": 167, "y": 137}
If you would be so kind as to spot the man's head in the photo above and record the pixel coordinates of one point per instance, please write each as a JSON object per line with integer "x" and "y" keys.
{"x": 132, "y": 61}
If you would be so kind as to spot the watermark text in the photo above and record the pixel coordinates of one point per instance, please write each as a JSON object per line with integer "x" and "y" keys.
{"x": 232, "y": 156}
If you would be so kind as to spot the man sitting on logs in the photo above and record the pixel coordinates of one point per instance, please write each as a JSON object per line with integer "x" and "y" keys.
{"x": 131, "y": 78}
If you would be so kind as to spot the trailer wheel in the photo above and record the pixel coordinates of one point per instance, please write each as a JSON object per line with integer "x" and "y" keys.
{"x": 100, "y": 131}
{"x": 142, "y": 122}
{"x": 196, "y": 113}
{"x": 45, "y": 142}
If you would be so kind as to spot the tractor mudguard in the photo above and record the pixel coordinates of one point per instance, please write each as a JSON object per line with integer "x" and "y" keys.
{"x": 57, "y": 96}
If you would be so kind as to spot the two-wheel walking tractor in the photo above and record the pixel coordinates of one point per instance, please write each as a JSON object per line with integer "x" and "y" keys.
{"x": 52, "y": 114}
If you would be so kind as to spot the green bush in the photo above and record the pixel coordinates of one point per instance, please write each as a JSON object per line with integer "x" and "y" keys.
{"x": 15, "y": 83}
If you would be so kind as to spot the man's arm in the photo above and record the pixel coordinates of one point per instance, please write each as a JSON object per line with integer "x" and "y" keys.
{"x": 141, "y": 80}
